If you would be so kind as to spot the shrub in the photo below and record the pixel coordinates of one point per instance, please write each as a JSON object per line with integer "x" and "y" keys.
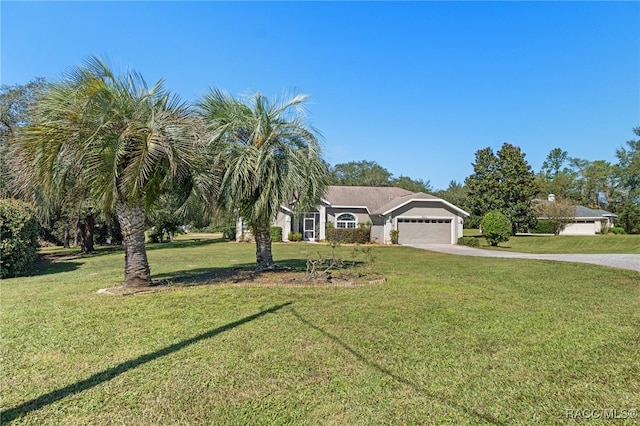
{"x": 394, "y": 234}
{"x": 229, "y": 233}
{"x": 496, "y": 228}
{"x": 617, "y": 230}
{"x": 349, "y": 235}
{"x": 18, "y": 237}
{"x": 276, "y": 234}
{"x": 295, "y": 236}
{"x": 469, "y": 241}
{"x": 543, "y": 227}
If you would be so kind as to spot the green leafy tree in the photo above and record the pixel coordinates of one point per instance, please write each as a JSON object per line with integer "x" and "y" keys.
{"x": 595, "y": 182}
{"x": 15, "y": 102}
{"x": 125, "y": 142}
{"x": 556, "y": 177}
{"x": 516, "y": 188}
{"x": 360, "y": 173}
{"x": 269, "y": 155}
{"x": 457, "y": 194}
{"x": 504, "y": 182}
{"x": 164, "y": 219}
{"x": 483, "y": 186}
{"x": 627, "y": 197}
{"x": 413, "y": 185}
{"x": 496, "y": 228}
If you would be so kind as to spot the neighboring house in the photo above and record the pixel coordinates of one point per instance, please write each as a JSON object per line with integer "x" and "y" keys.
{"x": 420, "y": 218}
{"x": 587, "y": 221}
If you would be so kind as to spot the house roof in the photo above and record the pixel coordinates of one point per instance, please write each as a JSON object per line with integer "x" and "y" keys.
{"x": 371, "y": 197}
{"x": 583, "y": 212}
{"x": 380, "y": 200}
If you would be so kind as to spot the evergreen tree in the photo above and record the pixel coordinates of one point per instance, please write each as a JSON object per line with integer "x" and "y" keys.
{"x": 517, "y": 188}
{"x": 556, "y": 178}
{"x": 502, "y": 182}
{"x": 483, "y": 186}
{"x": 627, "y": 196}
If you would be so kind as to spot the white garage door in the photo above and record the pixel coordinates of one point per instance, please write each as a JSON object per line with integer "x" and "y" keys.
{"x": 424, "y": 231}
{"x": 580, "y": 228}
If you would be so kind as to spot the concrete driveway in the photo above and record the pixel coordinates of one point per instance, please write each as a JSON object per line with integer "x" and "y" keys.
{"x": 623, "y": 261}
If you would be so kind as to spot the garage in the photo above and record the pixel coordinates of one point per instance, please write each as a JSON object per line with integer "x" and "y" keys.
{"x": 581, "y": 227}
{"x": 424, "y": 231}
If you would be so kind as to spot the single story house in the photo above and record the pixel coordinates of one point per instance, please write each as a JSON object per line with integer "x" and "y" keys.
{"x": 419, "y": 218}
{"x": 587, "y": 221}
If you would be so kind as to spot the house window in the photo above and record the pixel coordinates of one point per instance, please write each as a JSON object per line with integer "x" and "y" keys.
{"x": 346, "y": 220}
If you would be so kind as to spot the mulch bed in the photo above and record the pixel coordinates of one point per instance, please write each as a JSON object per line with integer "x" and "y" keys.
{"x": 232, "y": 277}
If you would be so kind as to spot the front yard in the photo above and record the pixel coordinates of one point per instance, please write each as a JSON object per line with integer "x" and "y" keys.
{"x": 446, "y": 339}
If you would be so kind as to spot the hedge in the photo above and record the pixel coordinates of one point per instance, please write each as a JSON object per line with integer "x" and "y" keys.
{"x": 18, "y": 237}
{"x": 469, "y": 241}
{"x": 543, "y": 227}
{"x": 349, "y": 235}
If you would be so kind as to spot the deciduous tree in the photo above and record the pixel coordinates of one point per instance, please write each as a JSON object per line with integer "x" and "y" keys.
{"x": 360, "y": 173}
{"x": 557, "y": 213}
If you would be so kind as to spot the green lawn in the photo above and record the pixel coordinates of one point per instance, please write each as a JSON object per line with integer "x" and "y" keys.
{"x": 447, "y": 339}
{"x": 550, "y": 244}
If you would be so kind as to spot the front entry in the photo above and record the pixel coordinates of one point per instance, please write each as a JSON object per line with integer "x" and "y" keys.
{"x": 309, "y": 228}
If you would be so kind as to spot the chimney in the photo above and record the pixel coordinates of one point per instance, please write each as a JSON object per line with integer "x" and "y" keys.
{"x": 552, "y": 198}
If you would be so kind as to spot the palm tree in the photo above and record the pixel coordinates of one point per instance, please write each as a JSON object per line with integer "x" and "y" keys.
{"x": 269, "y": 155}
{"x": 123, "y": 141}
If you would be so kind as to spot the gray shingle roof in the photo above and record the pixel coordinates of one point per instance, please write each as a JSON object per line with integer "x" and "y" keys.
{"x": 377, "y": 199}
{"x": 586, "y": 212}
{"x": 401, "y": 200}
{"x": 372, "y": 197}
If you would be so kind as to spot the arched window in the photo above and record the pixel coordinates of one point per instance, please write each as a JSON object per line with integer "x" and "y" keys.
{"x": 346, "y": 220}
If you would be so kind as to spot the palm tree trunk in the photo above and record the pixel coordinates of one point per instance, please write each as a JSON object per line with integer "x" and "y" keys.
{"x": 136, "y": 265}
{"x": 264, "y": 258}
{"x": 87, "y": 227}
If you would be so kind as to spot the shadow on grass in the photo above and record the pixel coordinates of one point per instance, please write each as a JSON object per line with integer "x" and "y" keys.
{"x": 44, "y": 266}
{"x": 106, "y": 375}
{"x": 185, "y": 243}
{"x": 372, "y": 364}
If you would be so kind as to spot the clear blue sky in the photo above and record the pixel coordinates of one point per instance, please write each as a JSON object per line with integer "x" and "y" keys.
{"x": 418, "y": 87}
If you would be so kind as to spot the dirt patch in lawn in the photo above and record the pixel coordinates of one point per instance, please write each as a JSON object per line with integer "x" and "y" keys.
{"x": 246, "y": 277}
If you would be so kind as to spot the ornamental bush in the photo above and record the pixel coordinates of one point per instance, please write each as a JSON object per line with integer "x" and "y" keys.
{"x": 469, "y": 241}
{"x": 295, "y": 236}
{"x": 349, "y": 235}
{"x": 395, "y": 236}
{"x": 496, "y": 228}
{"x": 18, "y": 237}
